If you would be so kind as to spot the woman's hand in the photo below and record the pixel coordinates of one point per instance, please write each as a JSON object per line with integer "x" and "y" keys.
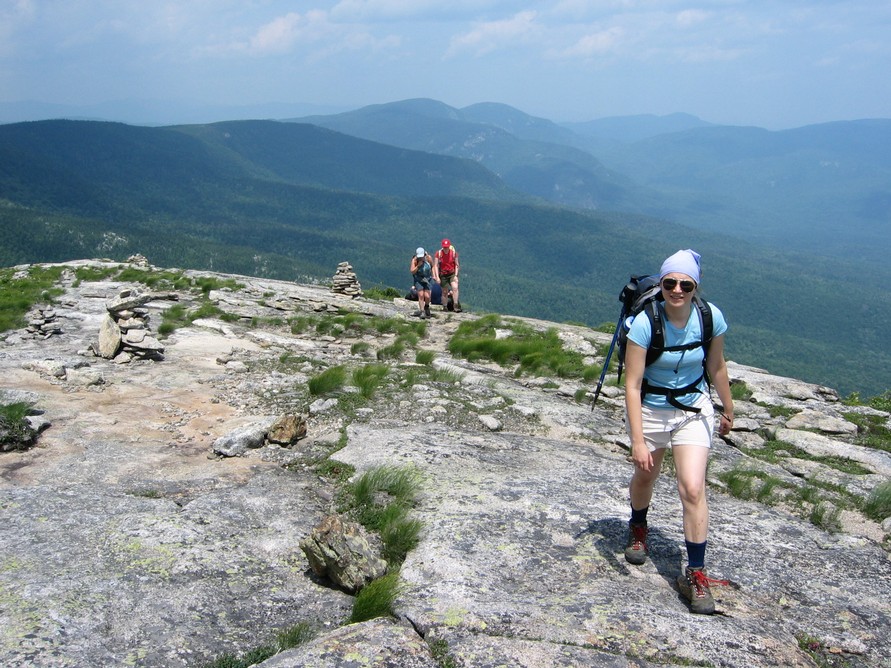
{"x": 641, "y": 456}
{"x": 725, "y": 424}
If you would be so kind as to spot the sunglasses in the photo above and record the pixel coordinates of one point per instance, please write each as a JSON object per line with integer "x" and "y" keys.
{"x": 671, "y": 283}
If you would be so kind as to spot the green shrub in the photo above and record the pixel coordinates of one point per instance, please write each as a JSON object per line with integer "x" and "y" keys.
{"x": 328, "y": 381}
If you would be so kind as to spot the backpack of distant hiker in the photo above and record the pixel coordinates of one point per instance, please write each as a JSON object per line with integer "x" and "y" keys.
{"x": 641, "y": 296}
{"x": 424, "y": 273}
{"x": 446, "y": 260}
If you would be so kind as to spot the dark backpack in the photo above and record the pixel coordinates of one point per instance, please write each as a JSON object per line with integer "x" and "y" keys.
{"x": 641, "y": 295}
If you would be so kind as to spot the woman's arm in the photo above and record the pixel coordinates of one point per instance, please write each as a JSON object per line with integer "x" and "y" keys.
{"x": 717, "y": 372}
{"x": 635, "y": 363}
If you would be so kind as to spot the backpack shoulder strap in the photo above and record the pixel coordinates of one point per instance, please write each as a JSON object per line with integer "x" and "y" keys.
{"x": 706, "y": 321}
{"x": 657, "y": 332}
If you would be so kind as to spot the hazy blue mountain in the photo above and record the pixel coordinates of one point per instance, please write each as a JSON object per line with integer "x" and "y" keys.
{"x": 822, "y": 188}
{"x": 529, "y": 154}
{"x": 289, "y": 200}
{"x": 627, "y": 129}
{"x": 84, "y": 154}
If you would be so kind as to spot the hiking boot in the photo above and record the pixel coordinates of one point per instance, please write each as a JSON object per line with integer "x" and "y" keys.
{"x": 636, "y": 548}
{"x": 427, "y": 311}
{"x": 415, "y": 314}
{"x": 458, "y": 308}
{"x": 695, "y": 586}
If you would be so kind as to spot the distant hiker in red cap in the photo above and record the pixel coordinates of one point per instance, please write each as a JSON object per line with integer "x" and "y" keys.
{"x": 445, "y": 272}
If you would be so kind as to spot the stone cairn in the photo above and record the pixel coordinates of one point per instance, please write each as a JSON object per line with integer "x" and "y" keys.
{"x": 124, "y": 334}
{"x": 42, "y": 322}
{"x": 345, "y": 281}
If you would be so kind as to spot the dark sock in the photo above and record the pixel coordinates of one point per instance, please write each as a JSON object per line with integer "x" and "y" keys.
{"x": 696, "y": 554}
{"x": 639, "y": 516}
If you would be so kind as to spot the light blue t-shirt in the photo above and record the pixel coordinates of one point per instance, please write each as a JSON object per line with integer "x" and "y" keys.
{"x": 680, "y": 368}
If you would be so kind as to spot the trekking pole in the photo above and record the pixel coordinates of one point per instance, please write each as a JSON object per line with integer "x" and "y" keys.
{"x": 609, "y": 354}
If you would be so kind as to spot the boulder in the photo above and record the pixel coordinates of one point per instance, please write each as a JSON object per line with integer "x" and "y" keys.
{"x": 343, "y": 553}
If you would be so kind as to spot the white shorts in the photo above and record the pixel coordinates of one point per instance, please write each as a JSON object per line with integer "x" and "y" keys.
{"x": 665, "y": 427}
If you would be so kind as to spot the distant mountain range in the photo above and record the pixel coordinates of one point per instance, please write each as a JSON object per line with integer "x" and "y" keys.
{"x": 823, "y": 188}
{"x": 550, "y": 219}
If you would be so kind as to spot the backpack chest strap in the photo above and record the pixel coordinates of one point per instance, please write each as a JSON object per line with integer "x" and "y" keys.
{"x": 671, "y": 394}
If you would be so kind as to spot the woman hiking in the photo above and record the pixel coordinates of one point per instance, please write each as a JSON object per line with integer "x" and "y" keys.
{"x": 668, "y": 405}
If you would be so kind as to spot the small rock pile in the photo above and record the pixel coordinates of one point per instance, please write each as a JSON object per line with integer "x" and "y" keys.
{"x": 124, "y": 334}
{"x": 345, "y": 281}
{"x": 42, "y": 322}
{"x": 139, "y": 260}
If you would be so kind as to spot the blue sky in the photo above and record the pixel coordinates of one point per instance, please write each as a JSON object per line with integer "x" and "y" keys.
{"x": 776, "y": 64}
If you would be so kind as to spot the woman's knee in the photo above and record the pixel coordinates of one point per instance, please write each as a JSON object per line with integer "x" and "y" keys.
{"x": 692, "y": 492}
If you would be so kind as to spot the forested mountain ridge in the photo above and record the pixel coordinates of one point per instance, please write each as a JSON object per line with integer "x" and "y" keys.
{"x": 288, "y": 200}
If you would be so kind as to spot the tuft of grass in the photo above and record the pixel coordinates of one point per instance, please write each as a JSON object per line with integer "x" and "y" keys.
{"x": 534, "y": 352}
{"x": 376, "y": 599}
{"x": 873, "y": 430}
{"x": 330, "y": 380}
{"x": 359, "y": 348}
{"x": 776, "y": 451}
{"x": 826, "y": 516}
{"x": 15, "y": 412}
{"x": 425, "y": 357}
{"x": 439, "y": 648}
{"x": 751, "y": 484}
{"x": 335, "y": 470}
{"x": 287, "y": 639}
{"x": 740, "y": 391}
{"x": 19, "y": 293}
{"x": 878, "y": 504}
{"x": 380, "y": 500}
{"x": 177, "y": 316}
{"x": 208, "y": 283}
{"x": 174, "y": 280}
{"x": 393, "y": 351}
{"x": 368, "y": 378}
{"x": 382, "y": 293}
{"x": 93, "y": 274}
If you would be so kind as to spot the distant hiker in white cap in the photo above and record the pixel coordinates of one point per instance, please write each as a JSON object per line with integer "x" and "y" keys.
{"x": 422, "y": 274}
{"x": 668, "y": 405}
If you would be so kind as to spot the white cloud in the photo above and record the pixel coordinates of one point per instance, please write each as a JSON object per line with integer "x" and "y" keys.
{"x": 491, "y": 35}
{"x": 375, "y": 10}
{"x": 278, "y": 35}
{"x": 691, "y": 17}
{"x": 594, "y": 44}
